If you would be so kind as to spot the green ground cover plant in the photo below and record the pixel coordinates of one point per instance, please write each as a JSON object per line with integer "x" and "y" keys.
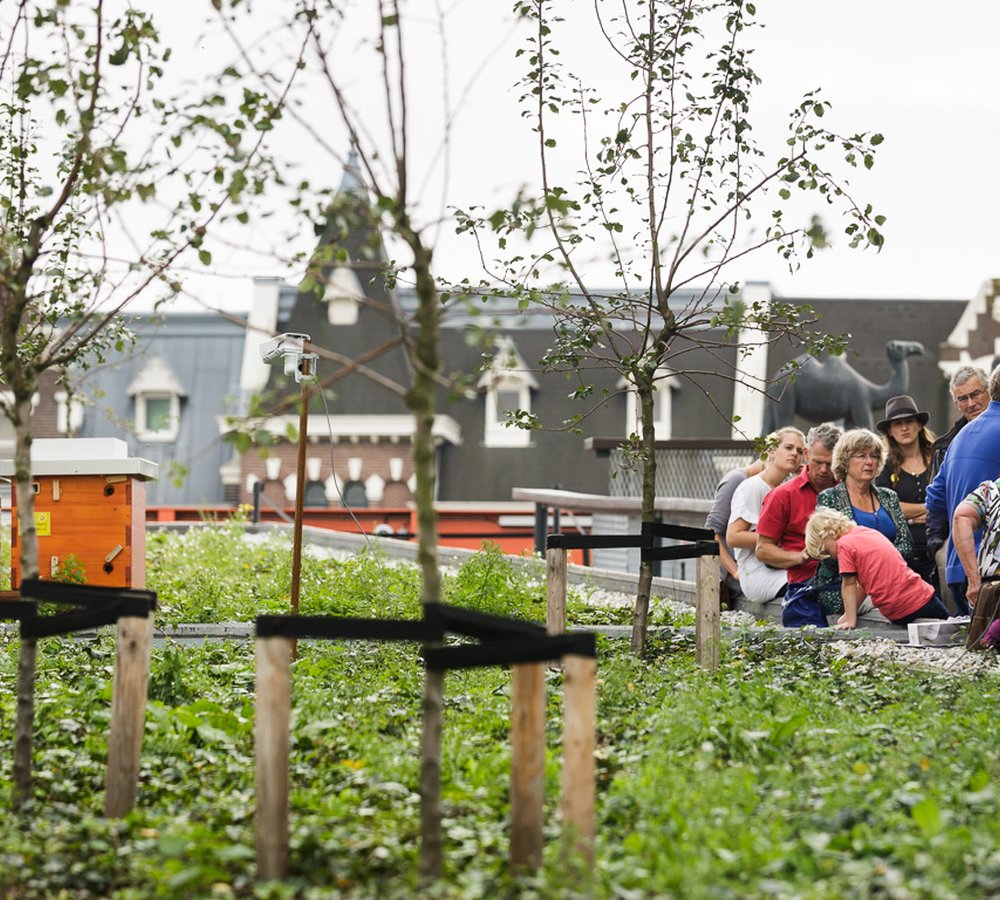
{"x": 214, "y": 575}
{"x": 789, "y": 772}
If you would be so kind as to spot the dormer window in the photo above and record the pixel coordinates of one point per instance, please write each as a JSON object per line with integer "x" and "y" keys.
{"x": 343, "y": 296}
{"x": 157, "y": 395}
{"x": 666, "y": 383}
{"x": 69, "y": 413}
{"x": 508, "y": 384}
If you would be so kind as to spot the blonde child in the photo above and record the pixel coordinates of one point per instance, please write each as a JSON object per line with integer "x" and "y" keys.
{"x": 870, "y": 564}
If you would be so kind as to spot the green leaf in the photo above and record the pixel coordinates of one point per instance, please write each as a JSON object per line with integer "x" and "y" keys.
{"x": 205, "y": 257}
{"x": 928, "y": 817}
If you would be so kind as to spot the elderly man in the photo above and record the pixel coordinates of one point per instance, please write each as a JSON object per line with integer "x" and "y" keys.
{"x": 969, "y": 387}
{"x": 781, "y": 528}
{"x": 972, "y": 458}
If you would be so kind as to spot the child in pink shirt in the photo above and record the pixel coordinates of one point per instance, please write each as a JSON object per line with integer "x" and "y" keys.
{"x": 870, "y": 564}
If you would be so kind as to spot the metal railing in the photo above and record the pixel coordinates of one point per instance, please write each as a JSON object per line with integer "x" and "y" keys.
{"x": 682, "y": 470}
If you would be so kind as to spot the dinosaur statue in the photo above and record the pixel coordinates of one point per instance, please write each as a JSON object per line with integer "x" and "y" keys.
{"x": 825, "y": 390}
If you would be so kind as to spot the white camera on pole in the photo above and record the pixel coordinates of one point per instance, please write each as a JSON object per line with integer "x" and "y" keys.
{"x": 291, "y": 348}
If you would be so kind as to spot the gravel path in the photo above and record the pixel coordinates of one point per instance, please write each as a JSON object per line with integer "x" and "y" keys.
{"x": 948, "y": 660}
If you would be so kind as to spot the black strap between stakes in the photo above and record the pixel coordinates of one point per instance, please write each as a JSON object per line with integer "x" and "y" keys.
{"x": 82, "y": 619}
{"x": 82, "y": 594}
{"x": 613, "y": 541}
{"x": 334, "y": 628}
{"x": 682, "y": 551}
{"x": 591, "y": 541}
{"x": 473, "y": 623}
{"x": 18, "y": 610}
{"x": 504, "y": 653}
{"x": 677, "y": 532}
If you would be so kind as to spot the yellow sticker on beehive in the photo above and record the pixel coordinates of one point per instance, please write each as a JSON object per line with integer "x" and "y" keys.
{"x": 43, "y": 524}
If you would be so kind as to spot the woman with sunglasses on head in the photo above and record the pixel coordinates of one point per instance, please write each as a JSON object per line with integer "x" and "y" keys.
{"x": 907, "y": 472}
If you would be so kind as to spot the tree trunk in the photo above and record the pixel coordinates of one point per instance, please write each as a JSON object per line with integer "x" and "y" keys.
{"x": 431, "y": 839}
{"x": 421, "y": 403}
{"x": 647, "y": 459}
{"x": 28, "y": 539}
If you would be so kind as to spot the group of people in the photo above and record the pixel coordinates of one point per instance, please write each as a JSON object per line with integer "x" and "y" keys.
{"x": 861, "y": 516}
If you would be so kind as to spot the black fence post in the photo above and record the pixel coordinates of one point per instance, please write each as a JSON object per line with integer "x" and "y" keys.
{"x": 657, "y": 544}
{"x": 541, "y": 526}
{"x": 258, "y": 487}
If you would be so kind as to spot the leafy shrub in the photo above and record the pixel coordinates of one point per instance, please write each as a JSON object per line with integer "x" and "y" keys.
{"x": 488, "y": 582}
{"x": 216, "y": 575}
{"x": 584, "y": 613}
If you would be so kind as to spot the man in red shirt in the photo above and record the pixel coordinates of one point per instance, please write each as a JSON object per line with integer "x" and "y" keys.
{"x": 781, "y": 529}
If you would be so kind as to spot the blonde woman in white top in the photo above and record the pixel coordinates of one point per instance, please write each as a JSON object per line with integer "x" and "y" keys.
{"x": 760, "y": 582}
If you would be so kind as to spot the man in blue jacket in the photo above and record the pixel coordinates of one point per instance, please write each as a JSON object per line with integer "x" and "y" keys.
{"x": 972, "y": 458}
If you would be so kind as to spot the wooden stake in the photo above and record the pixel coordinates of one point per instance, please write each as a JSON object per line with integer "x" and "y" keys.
{"x": 707, "y": 634}
{"x": 271, "y": 731}
{"x": 128, "y": 713}
{"x": 579, "y": 680}
{"x": 527, "y": 765}
{"x": 555, "y": 592}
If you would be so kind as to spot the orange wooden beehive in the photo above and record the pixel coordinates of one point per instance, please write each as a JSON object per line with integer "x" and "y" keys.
{"x": 90, "y": 510}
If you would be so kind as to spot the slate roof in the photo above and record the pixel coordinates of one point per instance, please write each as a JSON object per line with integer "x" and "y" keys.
{"x": 702, "y": 406}
{"x": 203, "y": 352}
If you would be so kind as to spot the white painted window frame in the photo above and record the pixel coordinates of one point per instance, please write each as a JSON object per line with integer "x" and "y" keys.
{"x": 143, "y": 431}
{"x": 495, "y": 433}
{"x": 69, "y": 413}
{"x": 666, "y": 384}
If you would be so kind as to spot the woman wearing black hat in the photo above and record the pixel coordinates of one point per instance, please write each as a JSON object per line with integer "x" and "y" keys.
{"x": 908, "y": 457}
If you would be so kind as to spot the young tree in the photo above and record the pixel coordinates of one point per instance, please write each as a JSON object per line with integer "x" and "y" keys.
{"x": 670, "y": 189}
{"x": 91, "y": 140}
{"x": 387, "y": 199}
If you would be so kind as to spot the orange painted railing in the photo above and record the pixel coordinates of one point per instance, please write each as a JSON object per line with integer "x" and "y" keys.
{"x": 467, "y": 527}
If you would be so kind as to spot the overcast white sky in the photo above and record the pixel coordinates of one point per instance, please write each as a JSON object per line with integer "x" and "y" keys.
{"x": 922, "y": 74}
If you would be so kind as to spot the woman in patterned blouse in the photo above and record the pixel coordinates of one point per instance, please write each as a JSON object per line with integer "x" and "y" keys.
{"x": 858, "y": 458}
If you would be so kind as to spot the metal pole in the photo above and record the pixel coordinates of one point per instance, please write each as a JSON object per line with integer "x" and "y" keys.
{"x": 300, "y": 488}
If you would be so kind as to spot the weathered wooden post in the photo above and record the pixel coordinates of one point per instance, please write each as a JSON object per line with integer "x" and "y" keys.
{"x": 579, "y": 681}
{"x": 527, "y": 765}
{"x": 707, "y": 632}
{"x": 555, "y": 590}
{"x": 271, "y": 731}
{"x": 128, "y": 713}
